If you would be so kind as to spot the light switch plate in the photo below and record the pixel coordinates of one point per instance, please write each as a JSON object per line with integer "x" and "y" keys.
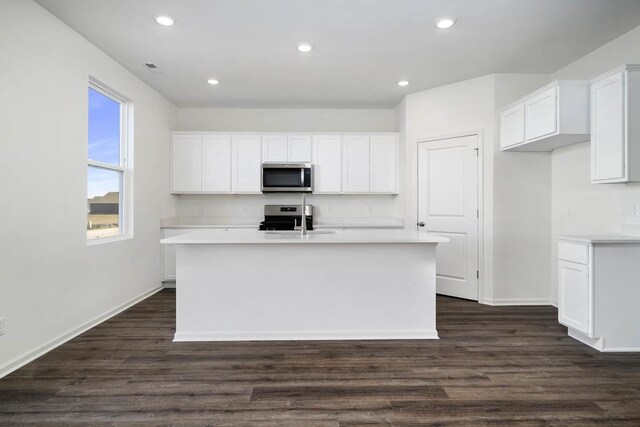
{"x": 1, "y": 325}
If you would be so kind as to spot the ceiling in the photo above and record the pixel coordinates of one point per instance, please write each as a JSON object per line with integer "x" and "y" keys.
{"x": 362, "y": 48}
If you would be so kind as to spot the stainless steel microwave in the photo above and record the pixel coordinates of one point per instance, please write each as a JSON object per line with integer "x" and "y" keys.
{"x": 287, "y": 177}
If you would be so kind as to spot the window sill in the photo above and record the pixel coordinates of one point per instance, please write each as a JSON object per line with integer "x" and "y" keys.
{"x": 94, "y": 242}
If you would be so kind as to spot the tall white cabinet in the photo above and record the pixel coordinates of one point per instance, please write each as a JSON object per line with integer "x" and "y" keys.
{"x": 615, "y": 126}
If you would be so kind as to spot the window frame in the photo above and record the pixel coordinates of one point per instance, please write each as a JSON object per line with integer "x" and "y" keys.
{"x": 125, "y": 167}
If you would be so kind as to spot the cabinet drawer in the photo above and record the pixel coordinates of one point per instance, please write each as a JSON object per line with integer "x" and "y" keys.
{"x": 574, "y": 252}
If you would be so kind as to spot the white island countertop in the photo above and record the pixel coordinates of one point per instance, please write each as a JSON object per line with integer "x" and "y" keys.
{"x": 601, "y": 239}
{"x": 239, "y": 236}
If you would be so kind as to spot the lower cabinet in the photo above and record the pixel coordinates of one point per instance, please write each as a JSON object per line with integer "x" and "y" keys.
{"x": 598, "y": 290}
{"x": 574, "y": 296}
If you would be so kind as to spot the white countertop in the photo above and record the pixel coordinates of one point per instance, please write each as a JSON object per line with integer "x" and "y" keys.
{"x": 240, "y": 236}
{"x": 601, "y": 239}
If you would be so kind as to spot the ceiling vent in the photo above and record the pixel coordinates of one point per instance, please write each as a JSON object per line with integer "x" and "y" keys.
{"x": 152, "y": 67}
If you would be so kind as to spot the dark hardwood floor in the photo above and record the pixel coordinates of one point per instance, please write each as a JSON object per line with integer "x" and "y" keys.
{"x": 498, "y": 366}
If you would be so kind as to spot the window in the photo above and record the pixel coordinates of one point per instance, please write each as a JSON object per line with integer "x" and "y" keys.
{"x": 109, "y": 169}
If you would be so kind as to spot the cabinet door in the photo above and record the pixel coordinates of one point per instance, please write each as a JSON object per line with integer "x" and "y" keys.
{"x": 356, "y": 164}
{"x": 246, "y": 164}
{"x": 300, "y": 148}
{"x": 327, "y": 158}
{"x": 607, "y": 129}
{"x": 383, "y": 152}
{"x": 216, "y": 163}
{"x": 512, "y": 126}
{"x": 541, "y": 114}
{"x": 574, "y": 296}
{"x": 186, "y": 163}
{"x": 274, "y": 148}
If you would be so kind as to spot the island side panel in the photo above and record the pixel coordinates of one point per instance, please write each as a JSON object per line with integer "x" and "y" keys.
{"x": 305, "y": 291}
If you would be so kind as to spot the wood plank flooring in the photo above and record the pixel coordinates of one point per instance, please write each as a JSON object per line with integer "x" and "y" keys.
{"x": 497, "y": 366}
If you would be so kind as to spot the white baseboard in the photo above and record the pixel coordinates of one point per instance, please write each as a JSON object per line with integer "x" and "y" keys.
{"x": 517, "y": 301}
{"x": 307, "y": 335}
{"x": 29, "y": 356}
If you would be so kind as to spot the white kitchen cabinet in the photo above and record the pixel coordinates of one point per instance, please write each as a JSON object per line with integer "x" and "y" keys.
{"x": 598, "y": 290}
{"x": 615, "y": 124}
{"x": 574, "y": 296}
{"x": 274, "y": 148}
{"x": 299, "y": 148}
{"x": 230, "y": 163}
{"x": 186, "y": 163}
{"x": 383, "y": 154}
{"x": 554, "y": 116}
{"x": 216, "y": 163}
{"x": 327, "y": 164}
{"x": 512, "y": 126}
{"x": 356, "y": 164}
{"x": 286, "y": 148}
{"x": 541, "y": 116}
{"x": 246, "y": 164}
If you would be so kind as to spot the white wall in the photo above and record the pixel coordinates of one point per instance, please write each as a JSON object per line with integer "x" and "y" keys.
{"x": 282, "y": 119}
{"x": 327, "y": 207}
{"x": 578, "y": 207}
{"x": 516, "y": 198}
{"x": 521, "y": 208}
{"x": 51, "y": 282}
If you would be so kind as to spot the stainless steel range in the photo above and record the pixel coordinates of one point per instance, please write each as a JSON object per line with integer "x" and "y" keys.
{"x": 286, "y": 217}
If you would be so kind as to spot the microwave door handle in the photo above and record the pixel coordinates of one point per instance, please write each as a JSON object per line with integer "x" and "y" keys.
{"x": 302, "y": 179}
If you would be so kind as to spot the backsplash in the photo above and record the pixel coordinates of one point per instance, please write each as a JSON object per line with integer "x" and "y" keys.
{"x": 325, "y": 206}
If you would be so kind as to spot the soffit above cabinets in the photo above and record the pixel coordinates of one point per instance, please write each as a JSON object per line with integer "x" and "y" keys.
{"x": 361, "y": 49}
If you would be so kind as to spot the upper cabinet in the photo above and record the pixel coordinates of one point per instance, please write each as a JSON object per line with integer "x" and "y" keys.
{"x": 230, "y": 163}
{"x": 383, "y": 155}
{"x": 327, "y": 164}
{"x": 215, "y": 163}
{"x": 554, "y": 116}
{"x": 356, "y": 164}
{"x": 615, "y": 126}
{"x": 370, "y": 164}
{"x": 286, "y": 148}
{"x": 216, "y": 167}
{"x": 246, "y": 162}
{"x": 512, "y": 126}
{"x": 186, "y": 163}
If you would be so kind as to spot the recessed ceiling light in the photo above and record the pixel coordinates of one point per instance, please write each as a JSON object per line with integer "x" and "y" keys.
{"x": 445, "y": 23}
{"x": 304, "y": 47}
{"x": 213, "y": 82}
{"x": 164, "y": 20}
{"x": 403, "y": 83}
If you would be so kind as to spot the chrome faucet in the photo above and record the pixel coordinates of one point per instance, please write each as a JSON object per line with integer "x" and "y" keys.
{"x": 303, "y": 224}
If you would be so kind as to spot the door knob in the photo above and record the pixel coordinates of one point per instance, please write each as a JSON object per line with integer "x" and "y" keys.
{"x": 421, "y": 224}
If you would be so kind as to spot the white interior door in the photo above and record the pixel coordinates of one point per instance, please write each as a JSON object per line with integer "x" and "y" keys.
{"x": 448, "y": 205}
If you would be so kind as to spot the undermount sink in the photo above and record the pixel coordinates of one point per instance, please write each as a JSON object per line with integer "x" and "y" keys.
{"x": 297, "y": 232}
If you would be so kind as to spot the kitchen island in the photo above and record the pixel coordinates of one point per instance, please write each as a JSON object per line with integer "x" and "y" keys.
{"x": 254, "y": 285}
